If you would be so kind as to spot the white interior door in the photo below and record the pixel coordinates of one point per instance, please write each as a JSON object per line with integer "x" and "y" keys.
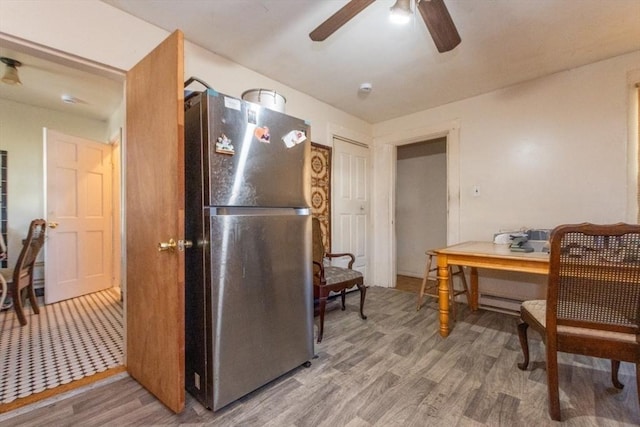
{"x": 351, "y": 202}
{"x": 78, "y": 203}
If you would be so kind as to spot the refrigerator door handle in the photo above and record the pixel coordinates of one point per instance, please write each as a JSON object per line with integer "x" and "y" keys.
{"x": 242, "y": 211}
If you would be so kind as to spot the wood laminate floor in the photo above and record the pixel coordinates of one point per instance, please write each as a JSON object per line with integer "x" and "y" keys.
{"x": 408, "y": 283}
{"x": 392, "y": 369}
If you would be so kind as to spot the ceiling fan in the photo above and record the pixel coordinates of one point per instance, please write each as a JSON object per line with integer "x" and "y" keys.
{"x": 434, "y": 13}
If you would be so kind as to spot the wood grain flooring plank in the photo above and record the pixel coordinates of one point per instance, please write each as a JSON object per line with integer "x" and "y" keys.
{"x": 396, "y": 402}
{"x": 391, "y": 369}
{"x": 350, "y": 406}
{"x": 504, "y": 411}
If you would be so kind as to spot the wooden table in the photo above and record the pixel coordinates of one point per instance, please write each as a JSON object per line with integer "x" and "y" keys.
{"x": 481, "y": 255}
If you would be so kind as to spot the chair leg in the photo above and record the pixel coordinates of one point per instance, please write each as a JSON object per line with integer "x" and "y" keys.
{"x": 524, "y": 344}
{"x": 552, "y": 383}
{"x": 32, "y": 299}
{"x": 427, "y": 268}
{"x": 615, "y": 366}
{"x": 638, "y": 381}
{"x": 363, "y": 294}
{"x": 343, "y": 294}
{"x": 17, "y": 304}
{"x": 421, "y": 293}
{"x": 321, "y": 307}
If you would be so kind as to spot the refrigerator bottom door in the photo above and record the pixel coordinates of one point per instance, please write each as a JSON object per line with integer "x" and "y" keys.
{"x": 261, "y": 300}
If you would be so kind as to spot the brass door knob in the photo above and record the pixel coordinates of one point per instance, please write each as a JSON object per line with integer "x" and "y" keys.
{"x": 171, "y": 245}
{"x": 52, "y": 224}
{"x": 167, "y": 246}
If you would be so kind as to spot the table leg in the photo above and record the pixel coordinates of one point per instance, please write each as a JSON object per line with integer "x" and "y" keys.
{"x": 443, "y": 294}
{"x": 474, "y": 289}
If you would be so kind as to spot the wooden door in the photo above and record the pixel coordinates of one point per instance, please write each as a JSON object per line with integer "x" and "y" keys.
{"x": 78, "y": 198}
{"x": 351, "y": 202}
{"x": 155, "y": 213}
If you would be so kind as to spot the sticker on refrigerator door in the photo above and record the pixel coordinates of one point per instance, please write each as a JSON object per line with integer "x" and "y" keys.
{"x": 232, "y": 103}
{"x": 224, "y": 145}
{"x": 262, "y": 134}
{"x": 252, "y": 116}
{"x": 294, "y": 137}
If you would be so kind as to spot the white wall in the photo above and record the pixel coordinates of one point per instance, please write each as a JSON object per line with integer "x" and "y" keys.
{"x": 549, "y": 151}
{"x": 21, "y": 135}
{"x": 421, "y": 203}
{"x": 106, "y": 35}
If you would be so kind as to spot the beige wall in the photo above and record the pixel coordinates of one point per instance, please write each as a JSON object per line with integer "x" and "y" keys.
{"x": 22, "y": 136}
{"x": 549, "y": 151}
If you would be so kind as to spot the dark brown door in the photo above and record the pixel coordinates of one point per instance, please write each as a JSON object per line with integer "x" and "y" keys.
{"x": 154, "y": 214}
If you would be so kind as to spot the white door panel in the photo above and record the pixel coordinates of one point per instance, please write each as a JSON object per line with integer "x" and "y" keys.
{"x": 78, "y": 248}
{"x": 351, "y": 203}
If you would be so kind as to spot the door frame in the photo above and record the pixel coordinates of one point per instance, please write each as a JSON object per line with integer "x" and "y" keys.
{"x": 87, "y": 65}
{"x": 383, "y": 207}
{"x": 433, "y": 234}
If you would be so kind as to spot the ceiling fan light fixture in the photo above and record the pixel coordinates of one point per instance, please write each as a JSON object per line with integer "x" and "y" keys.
{"x": 401, "y": 12}
{"x": 10, "y": 75}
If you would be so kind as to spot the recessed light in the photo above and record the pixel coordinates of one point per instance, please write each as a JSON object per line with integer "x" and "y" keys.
{"x": 70, "y": 99}
{"x": 366, "y": 87}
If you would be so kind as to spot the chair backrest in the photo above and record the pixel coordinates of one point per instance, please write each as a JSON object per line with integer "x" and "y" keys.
{"x": 30, "y": 249}
{"x": 316, "y": 237}
{"x": 594, "y": 277}
{"x": 3, "y": 248}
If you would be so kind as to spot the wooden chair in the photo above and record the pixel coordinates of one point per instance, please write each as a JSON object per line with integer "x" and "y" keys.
{"x": 430, "y": 283}
{"x": 23, "y": 271}
{"x": 331, "y": 278}
{"x": 3, "y": 283}
{"x": 593, "y": 300}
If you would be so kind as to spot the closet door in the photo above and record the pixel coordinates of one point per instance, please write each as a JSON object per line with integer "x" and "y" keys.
{"x": 154, "y": 214}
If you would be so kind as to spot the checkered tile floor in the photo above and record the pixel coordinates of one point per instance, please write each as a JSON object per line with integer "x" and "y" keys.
{"x": 67, "y": 341}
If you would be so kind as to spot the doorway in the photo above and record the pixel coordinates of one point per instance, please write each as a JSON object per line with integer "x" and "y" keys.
{"x": 421, "y": 205}
{"x": 23, "y": 120}
{"x": 383, "y": 208}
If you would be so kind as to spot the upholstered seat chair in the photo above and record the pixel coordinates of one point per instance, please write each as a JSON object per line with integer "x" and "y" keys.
{"x": 331, "y": 278}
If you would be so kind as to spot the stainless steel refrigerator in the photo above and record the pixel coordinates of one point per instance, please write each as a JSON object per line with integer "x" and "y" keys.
{"x": 249, "y": 298}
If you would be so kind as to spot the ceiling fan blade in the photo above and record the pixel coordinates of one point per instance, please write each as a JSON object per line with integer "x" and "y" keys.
{"x": 338, "y": 19}
{"x": 440, "y": 25}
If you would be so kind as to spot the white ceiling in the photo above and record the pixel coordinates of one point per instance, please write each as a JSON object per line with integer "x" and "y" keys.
{"x": 503, "y": 42}
{"x": 46, "y": 80}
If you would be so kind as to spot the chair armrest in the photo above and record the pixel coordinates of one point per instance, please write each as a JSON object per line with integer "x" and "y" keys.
{"x": 353, "y": 258}
{"x": 318, "y": 269}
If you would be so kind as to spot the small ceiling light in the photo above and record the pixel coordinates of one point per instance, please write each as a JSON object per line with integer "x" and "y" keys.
{"x": 366, "y": 87}
{"x": 11, "y": 73}
{"x": 401, "y": 12}
{"x": 70, "y": 99}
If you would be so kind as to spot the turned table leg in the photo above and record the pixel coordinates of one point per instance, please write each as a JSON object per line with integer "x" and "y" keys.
{"x": 443, "y": 294}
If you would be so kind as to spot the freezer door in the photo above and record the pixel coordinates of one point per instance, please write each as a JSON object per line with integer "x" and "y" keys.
{"x": 249, "y": 163}
{"x": 261, "y": 298}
